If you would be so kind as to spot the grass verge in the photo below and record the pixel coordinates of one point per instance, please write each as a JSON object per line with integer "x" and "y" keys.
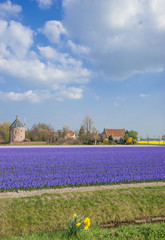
{"x": 80, "y": 185}
{"x": 132, "y": 232}
{"x": 49, "y": 212}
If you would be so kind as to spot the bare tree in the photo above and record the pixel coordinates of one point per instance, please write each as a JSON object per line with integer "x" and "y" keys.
{"x": 163, "y": 138}
{"x": 95, "y": 134}
{"x": 87, "y": 124}
{"x": 42, "y": 132}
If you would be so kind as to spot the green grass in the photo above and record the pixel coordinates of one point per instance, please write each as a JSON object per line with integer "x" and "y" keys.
{"x": 49, "y": 213}
{"x": 80, "y": 185}
{"x": 132, "y": 232}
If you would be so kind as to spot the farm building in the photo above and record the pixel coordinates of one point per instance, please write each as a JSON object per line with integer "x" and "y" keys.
{"x": 117, "y": 134}
{"x": 17, "y": 131}
{"x": 70, "y": 135}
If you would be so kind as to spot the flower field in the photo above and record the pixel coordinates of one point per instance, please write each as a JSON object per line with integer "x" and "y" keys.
{"x": 22, "y": 168}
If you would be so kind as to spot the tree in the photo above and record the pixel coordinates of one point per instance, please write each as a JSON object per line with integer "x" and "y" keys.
{"x": 81, "y": 133}
{"x": 163, "y": 137}
{"x": 42, "y": 132}
{"x": 28, "y": 134}
{"x": 132, "y": 134}
{"x": 95, "y": 134}
{"x": 110, "y": 139}
{"x": 87, "y": 124}
{"x": 5, "y": 131}
{"x": 129, "y": 140}
{"x": 126, "y": 136}
{"x": 66, "y": 128}
{"x": 86, "y": 133}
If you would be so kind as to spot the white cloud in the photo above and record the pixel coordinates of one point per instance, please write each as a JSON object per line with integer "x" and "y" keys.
{"x": 7, "y": 9}
{"x": 35, "y": 71}
{"x": 15, "y": 39}
{"x": 44, "y": 4}
{"x": 70, "y": 93}
{"x": 30, "y": 96}
{"x": 142, "y": 95}
{"x": 77, "y": 49}
{"x": 116, "y": 104}
{"x": 36, "y": 96}
{"x": 125, "y": 37}
{"x": 53, "y": 30}
{"x": 158, "y": 10}
{"x": 44, "y": 67}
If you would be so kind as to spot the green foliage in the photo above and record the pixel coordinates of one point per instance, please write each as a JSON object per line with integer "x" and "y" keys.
{"x": 4, "y": 131}
{"x": 41, "y": 132}
{"x": 126, "y": 137}
{"x": 76, "y": 225}
{"x": 133, "y": 134}
{"x": 81, "y": 133}
{"x": 154, "y": 231}
{"x": 129, "y": 140}
{"x": 111, "y": 140}
{"x": 121, "y": 140}
{"x": 71, "y": 228}
{"x": 27, "y": 134}
{"x": 49, "y": 212}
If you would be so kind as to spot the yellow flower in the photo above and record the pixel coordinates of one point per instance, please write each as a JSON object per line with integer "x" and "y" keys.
{"x": 129, "y": 140}
{"x": 74, "y": 216}
{"x": 78, "y": 224}
{"x": 86, "y": 228}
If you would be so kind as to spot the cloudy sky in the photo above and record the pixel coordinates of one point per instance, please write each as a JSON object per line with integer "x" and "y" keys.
{"x": 63, "y": 59}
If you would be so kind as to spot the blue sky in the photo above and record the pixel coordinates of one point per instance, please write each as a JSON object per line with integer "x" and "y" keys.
{"x": 63, "y": 59}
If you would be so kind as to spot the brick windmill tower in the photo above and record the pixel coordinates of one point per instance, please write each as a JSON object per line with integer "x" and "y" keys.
{"x": 17, "y": 131}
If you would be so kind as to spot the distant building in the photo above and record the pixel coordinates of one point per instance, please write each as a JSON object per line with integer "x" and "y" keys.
{"x": 17, "y": 131}
{"x": 117, "y": 134}
{"x": 70, "y": 135}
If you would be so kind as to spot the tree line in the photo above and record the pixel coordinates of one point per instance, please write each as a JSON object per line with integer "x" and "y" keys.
{"x": 87, "y": 134}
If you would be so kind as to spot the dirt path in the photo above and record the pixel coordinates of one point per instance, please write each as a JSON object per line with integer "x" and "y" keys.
{"x": 77, "y": 189}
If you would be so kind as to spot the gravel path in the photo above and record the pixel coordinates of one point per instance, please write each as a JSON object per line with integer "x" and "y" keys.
{"x": 77, "y": 189}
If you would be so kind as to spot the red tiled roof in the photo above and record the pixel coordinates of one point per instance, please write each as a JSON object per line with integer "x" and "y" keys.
{"x": 115, "y": 132}
{"x": 69, "y": 133}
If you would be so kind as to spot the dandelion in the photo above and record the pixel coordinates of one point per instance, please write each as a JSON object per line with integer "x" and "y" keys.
{"x": 74, "y": 215}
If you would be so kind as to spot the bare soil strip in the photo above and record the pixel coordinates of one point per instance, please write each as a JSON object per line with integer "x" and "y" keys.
{"x": 136, "y": 221}
{"x": 22, "y": 193}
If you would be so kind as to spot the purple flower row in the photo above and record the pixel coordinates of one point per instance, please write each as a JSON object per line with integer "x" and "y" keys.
{"x": 49, "y": 167}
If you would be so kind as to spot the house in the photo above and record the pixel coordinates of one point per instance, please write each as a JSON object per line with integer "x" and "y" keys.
{"x": 17, "y": 131}
{"x": 117, "y": 134}
{"x": 70, "y": 135}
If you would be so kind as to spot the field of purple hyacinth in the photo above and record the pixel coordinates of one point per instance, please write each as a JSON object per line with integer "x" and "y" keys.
{"x": 23, "y": 168}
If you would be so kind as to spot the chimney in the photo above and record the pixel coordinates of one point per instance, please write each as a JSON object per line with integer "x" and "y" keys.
{"x": 16, "y": 117}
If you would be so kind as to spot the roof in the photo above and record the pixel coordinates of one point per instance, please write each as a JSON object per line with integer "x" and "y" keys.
{"x": 17, "y": 123}
{"x": 69, "y": 133}
{"x": 115, "y": 132}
